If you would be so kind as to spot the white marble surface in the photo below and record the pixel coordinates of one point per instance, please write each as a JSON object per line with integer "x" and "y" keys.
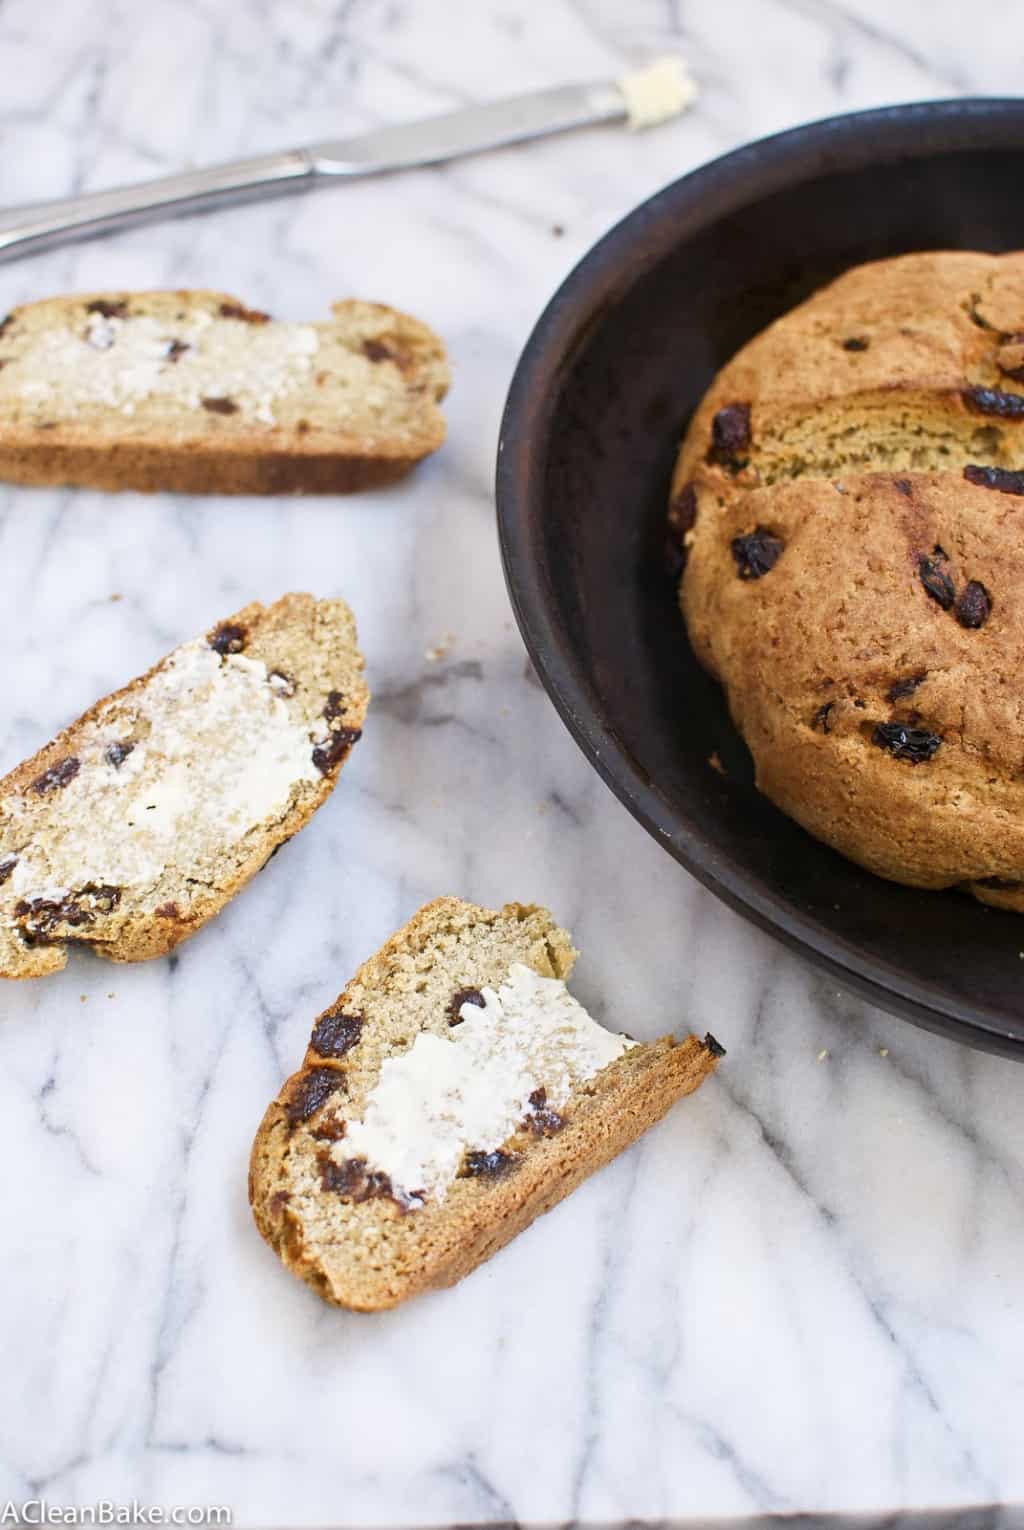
{"x": 803, "y": 1292}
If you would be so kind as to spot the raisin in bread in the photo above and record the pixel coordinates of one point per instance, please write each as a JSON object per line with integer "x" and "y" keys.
{"x": 453, "y": 1093}
{"x": 142, "y": 819}
{"x": 847, "y": 500}
{"x": 910, "y": 363}
{"x": 192, "y": 391}
{"x": 870, "y": 636}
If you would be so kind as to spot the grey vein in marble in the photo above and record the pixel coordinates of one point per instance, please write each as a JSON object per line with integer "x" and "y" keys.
{"x": 802, "y": 1291}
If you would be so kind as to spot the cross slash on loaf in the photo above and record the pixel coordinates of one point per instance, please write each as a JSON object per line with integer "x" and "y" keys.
{"x": 196, "y": 393}
{"x": 453, "y": 1093}
{"x": 141, "y": 820}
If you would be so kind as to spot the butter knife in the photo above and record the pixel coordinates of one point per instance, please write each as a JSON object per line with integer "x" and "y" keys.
{"x": 641, "y": 99}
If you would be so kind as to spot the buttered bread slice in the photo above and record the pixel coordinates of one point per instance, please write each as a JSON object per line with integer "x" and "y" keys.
{"x": 140, "y": 821}
{"x": 454, "y": 1092}
{"x": 194, "y": 392}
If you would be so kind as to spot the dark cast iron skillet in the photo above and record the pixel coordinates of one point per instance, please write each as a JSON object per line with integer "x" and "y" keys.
{"x": 612, "y": 371}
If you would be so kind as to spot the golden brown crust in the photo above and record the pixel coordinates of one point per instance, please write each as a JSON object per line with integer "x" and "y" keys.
{"x": 223, "y": 455}
{"x": 858, "y": 629}
{"x": 924, "y": 328}
{"x": 298, "y": 626}
{"x": 437, "y": 1245}
{"x": 844, "y": 431}
{"x": 242, "y": 467}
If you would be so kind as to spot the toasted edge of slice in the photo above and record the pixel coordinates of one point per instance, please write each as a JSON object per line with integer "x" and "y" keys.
{"x": 297, "y": 627}
{"x": 197, "y": 452}
{"x": 371, "y": 1254}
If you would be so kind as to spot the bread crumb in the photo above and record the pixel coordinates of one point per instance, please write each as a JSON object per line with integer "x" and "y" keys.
{"x": 883, "y": 1051}
{"x": 558, "y": 229}
{"x": 715, "y": 762}
{"x": 117, "y": 597}
{"x": 823, "y": 1054}
{"x": 440, "y": 650}
{"x": 84, "y": 998}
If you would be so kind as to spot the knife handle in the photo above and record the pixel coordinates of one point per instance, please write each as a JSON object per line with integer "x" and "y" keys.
{"x": 42, "y": 224}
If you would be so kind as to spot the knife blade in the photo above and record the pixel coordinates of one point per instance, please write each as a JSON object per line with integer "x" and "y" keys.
{"x": 471, "y": 130}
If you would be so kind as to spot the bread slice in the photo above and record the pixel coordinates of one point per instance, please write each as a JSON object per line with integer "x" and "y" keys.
{"x": 194, "y": 392}
{"x": 143, "y": 818}
{"x": 426, "y": 1127}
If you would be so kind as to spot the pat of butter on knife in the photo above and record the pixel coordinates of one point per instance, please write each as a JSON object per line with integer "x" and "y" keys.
{"x": 658, "y": 92}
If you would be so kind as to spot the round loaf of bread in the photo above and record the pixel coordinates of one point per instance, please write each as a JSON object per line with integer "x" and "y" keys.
{"x": 849, "y": 500}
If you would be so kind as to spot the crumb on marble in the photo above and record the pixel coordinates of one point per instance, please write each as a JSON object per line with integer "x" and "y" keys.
{"x": 558, "y": 229}
{"x": 883, "y": 1051}
{"x": 824, "y": 1054}
{"x": 83, "y": 998}
{"x": 117, "y": 597}
{"x": 440, "y": 650}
